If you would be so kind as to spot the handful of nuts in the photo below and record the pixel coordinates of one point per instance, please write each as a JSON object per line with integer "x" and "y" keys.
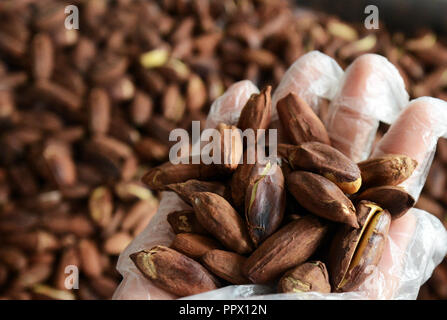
{"x": 280, "y": 222}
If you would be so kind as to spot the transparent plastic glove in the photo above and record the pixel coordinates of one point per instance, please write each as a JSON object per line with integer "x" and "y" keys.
{"x": 416, "y": 243}
{"x": 313, "y": 76}
{"x": 415, "y": 134}
{"x": 371, "y": 90}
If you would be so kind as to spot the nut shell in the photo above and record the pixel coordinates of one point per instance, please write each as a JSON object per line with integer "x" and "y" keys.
{"x": 309, "y": 276}
{"x": 355, "y": 251}
{"x": 327, "y": 161}
{"x": 187, "y": 188}
{"x": 300, "y": 122}
{"x": 219, "y": 218}
{"x": 193, "y": 245}
{"x": 321, "y": 197}
{"x": 388, "y": 170}
{"x": 173, "y": 271}
{"x": 286, "y": 248}
{"x": 226, "y": 265}
{"x": 395, "y": 199}
{"x": 265, "y": 202}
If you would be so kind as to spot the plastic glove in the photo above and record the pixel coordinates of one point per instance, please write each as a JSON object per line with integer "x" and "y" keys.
{"x": 370, "y": 90}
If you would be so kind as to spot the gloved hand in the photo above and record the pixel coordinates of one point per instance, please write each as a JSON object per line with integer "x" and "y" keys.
{"x": 369, "y": 91}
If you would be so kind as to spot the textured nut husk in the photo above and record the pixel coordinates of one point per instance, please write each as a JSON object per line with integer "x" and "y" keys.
{"x": 101, "y": 206}
{"x": 240, "y": 182}
{"x": 354, "y": 251}
{"x": 309, "y": 276}
{"x": 196, "y": 93}
{"x": 99, "y": 111}
{"x": 117, "y": 242}
{"x": 327, "y": 161}
{"x": 300, "y": 122}
{"x": 159, "y": 177}
{"x": 290, "y": 246}
{"x": 42, "y": 56}
{"x": 220, "y": 219}
{"x": 321, "y": 197}
{"x": 173, "y": 271}
{"x": 265, "y": 202}
{"x": 256, "y": 113}
{"x": 185, "y": 221}
{"x": 193, "y": 245}
{"x": 395, "y": 199}
{"x": 186, "y": 189}
{"x": 59, "y": 161}
{"x": 284, "y": 149}
{"x": 388, "y": 170}
{"x": 226, "y": 265}
{"x": 90, "y": 258}
{"x": 231, "y": 147}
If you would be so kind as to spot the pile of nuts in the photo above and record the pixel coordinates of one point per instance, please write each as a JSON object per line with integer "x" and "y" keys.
{"x": 249, "y": 229}
{"x": 84, "y": 113}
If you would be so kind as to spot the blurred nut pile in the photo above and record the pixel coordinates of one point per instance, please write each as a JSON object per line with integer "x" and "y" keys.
{"x": 83, "y": 113}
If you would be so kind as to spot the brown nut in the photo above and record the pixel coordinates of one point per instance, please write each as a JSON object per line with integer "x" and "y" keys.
{"x": 219, "y": 218}
{"x": 240, "y": 181}
{"x": 101, "y": 205}
{"x": 231, "y": 147}
{"x": 193, "y": 245}
{"x": 159, "y": 177}
{"x": 286, "y": 248}
{"x": 185, "y": 221}
{"x": 265, "y": 201}
{"x": 257, "y": 111}
{"x": 300, "y": 122}
{"x": 186, "y": 189}
{"x": 395, "y": 199}
{"x": 226, "y": 265}
{"x": 355, "y": 251}
{"x": 327, "y": 161}
{"x": 388, "y": 170}
{"x": 309, "y": 276}
{"x": 321, "y": 197}
{"x": 173, "y": 271}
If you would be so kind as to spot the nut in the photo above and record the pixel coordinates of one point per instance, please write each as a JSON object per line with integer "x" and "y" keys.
{"x": 300, "y": 122}
{"x": 257, "y": 111}
{"x": 186, "y": 189}
{"x": 286, "y": 248}
{"x": 328, "y": 162}
{"x": 321, "y": 197}
{"x": 159, "y": 177}
{"x": 388, "y": 170}
{"x": 265, "y": 201}
{"x": 193, "y": 245}
{"x": 309, "y": 276}
{"x": 355, "y": 251}
{"x": 173, "y": 271}
{"x": 395, "y": 199}
{"x": 226, "y": 265}
{"x": 231, "y": 147}
{"x": 219, "y": 218}
{"x": 240, "y": 182}
{"x": 185, "y": 221}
